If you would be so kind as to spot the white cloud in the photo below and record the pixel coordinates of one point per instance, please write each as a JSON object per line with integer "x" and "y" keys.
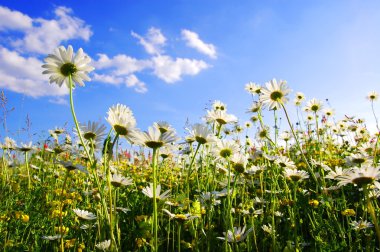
{"x": 24, "y": 75}
{"x": 59, "y": 100}
{"x": 170, "y": 70}
{"x": 121, "y": 63}
{"x": 45, "y": 35}
{"x": 110, "y": 79}
{"x": 192, "y": 40}
{"x": 153, "y": 41}
{"x": 133, "y": 81}
{"x": 13, "y": 20}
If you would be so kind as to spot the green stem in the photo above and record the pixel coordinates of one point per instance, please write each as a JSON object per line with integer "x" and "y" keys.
{"x": 27, "y": 168}
{"x": 76, "y": 121}
{"x": 155, "y": 220}
{"x": 299, "y": 146}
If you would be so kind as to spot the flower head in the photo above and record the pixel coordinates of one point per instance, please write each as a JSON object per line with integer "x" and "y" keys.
{"x": 225, "y": 148}
{"x": 104, "y": 245}
{"x": 295, "y": 175}
{"x": 201, "y": 133}
{"x": 148, "y": 191}
{"x": 313, "y": 105}
{"x": 360, "y": 225}
{"x": 121, "y": 119}
{"x": 84, "y": 215}
{"x": 218, "y": 105}
{"x": 274, "y": 95}
{"x": 153, "y": 138}
{"x": 220, "y": 116}
{"x": 237, "y": 235}
{"x": 252, "y": 88}
{"x": 64, "y": 63}
{"x": 372, "y": 96}
{"x": 118, "y": 180}
{"x": 359, "y": 176}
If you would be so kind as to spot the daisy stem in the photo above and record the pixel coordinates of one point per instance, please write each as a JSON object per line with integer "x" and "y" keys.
{"x": 76, "y": 121}
{"x": 190, "y": 170}
{"x": 374, "y": 114}
{"x": 27, "y": 168}
{"x": 155, "y": 221}
{"x": 298, "y": 145}
{"x": 371, "y": 211}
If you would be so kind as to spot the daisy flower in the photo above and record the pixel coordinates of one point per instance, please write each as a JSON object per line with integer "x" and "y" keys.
{"x": 218, "y": 105}
{"x": 360, "y": 225}
{"x": 300, "y": 96}
{"x": 153, "y": 138}
{"x": 335, "y": 174}
{"x": 201, "y": 133}
{"x": 148, "y": 191}
{"x": 84, "y": 215}
{"x": 313, "y": 105}
{"x": 51, "y": 237}
{"x": 237, "y": 235}
{"x": 239, "y": 162}
{"x": 104, "y": 245}
{"x": 373, "y": 96}
{"x": 220, "y": 116}
{"x": 26, "y": 147}
{"x": 274, "y": 95}
{"x": 329, "y": 112}
{"x": 121, "y": 119}
{"x": 164, "y": 126}
{"x": 180, "y": 217}
{"x": 225, "y": 148}
{"x": 359, "y": 176}
{"x": 64, "y": 63}
{"x": 253, "y": 88}
{"x": 118, "y": 180}
{"x": 9, "y": 144}
{"x": 295, "y": 175}
{"x": 255, "y": 107}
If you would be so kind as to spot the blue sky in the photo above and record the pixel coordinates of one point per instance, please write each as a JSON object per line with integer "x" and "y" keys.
{"x": 167, "y": 60}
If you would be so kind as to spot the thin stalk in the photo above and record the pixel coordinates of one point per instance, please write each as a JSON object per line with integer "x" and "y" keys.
{"x": 155, "y": 220}
{"x": 76, "y": 121}
{"x": 298, "y": 145}
{"x": 27, "y": 168}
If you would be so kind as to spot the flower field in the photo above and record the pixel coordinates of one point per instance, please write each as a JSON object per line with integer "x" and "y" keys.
{"x": 224, "y": 186}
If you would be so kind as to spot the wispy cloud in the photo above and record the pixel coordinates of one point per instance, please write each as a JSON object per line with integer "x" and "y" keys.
{"x": 192, "y": 40}
{"x": 153, "y": 42}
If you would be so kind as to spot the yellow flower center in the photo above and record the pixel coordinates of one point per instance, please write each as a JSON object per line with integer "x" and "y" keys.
{"x": 68, "y": 69}
{"x": 276, "y": 95}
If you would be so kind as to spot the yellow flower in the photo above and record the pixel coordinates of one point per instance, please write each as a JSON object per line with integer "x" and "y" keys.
{"x": 61, "y": 230}
{"x": 313, "y": 202}
{"x": 67, "y": 201}
{"x": 348, "y": 212}
{"x": 70, "y": 243}
{"x": 18, "y": 214}
{"x": 81, "y": 247}
{"x": 25, "y": 218}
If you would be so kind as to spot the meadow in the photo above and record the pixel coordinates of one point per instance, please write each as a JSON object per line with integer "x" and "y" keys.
{"x": 225, "y": 186}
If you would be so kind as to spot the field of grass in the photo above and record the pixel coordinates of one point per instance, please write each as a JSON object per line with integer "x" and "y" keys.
{"x": 225, "y": 186}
